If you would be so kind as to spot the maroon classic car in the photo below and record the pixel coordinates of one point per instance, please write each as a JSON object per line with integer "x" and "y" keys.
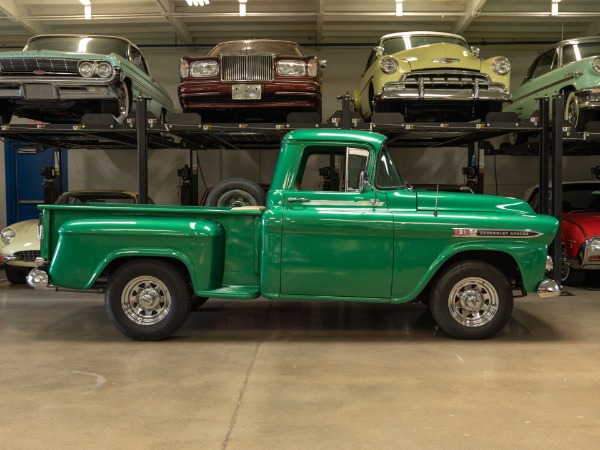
{"x": 580, "y": 228}
{"x": 251, "y": 81}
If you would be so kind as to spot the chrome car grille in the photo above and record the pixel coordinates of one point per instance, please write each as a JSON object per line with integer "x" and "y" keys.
{"x": 247, "y": 68}
{"x": 27, "y": 256}
{"x": 445, "y": 80}
{"x": 48, "y": 65}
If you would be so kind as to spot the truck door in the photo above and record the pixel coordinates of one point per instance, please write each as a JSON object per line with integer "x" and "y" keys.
{"x": 337, "y": 242}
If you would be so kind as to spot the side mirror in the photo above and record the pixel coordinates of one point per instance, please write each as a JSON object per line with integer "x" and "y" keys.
{"x": 475, "y": 51}
{"x": 323, "y": 63}
{"x": 363, "y": 182}
{"x": 379, "y": 50}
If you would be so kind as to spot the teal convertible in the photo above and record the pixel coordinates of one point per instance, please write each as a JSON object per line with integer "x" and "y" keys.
{"x": 58, "y": 78}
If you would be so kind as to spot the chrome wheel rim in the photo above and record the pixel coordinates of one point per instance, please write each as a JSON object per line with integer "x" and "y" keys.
{"x": 473, "y": 302}
{"x": 572, "y": 114}
{"x": 146, "y": 300}
{"x": 236, "y": 198}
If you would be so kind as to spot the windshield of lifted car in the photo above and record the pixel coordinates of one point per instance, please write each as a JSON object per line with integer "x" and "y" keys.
{"x": 401, "y": 43}
{"x": 576, "y": 52}
{"x": 257, "y": 48}
{"x": 76, "y": 44}
{"x": 387, "y": 175}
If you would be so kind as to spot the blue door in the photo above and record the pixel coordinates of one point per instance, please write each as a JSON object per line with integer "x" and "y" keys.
{"x": 24, "y": 162}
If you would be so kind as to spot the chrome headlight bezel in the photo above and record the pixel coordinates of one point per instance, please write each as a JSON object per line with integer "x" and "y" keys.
{"x": 204, "y": 69}
{"x": 104, "y": 69}
{"x": 389, "y": 65}
{"x": 7, "y": 235}
{"x": 291, "y": 68}
{"x": 501, "y": 66}
{"x": 86, "y": 69}
{"x": 594, "y": 245}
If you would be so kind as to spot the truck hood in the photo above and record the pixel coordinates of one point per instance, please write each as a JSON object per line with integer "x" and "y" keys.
{"x": 458, "y": 201}
{"x": 440, "y": 56}
{"x": 589, "y": 222}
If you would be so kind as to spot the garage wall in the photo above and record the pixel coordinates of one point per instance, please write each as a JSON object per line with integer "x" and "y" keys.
{"x": 504, "y": 175}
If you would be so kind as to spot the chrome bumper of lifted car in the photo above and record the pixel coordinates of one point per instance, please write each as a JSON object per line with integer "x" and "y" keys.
{"x": 443, "y": 95}
{"x": 57, "y": 88}
{"x": 549, "y": 288}
{"x": 588, "y": 98}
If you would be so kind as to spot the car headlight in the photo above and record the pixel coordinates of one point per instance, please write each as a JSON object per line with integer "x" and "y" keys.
{"x": 7, "y": 235}
{"x": 389, "y": 65}
{"x": 313, "y": 68}
{"x": 291, "y": 68}
{"x": 595, "y": 245}
{"x": 204, "y": 69}
{"x": 596, "y": 65}
{"x": 104, "y": 69}
{"x": 86, "y": 69}
{"x": 501, "y": 65}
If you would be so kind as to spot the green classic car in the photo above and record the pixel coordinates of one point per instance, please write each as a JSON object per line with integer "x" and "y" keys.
{"x": 58, "y": 78}
{"x": 570, "y": 67}
{"x": 430, "y": 76}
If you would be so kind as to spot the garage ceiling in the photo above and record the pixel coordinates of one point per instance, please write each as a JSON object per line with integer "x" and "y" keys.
{"x": 326, "y": 22}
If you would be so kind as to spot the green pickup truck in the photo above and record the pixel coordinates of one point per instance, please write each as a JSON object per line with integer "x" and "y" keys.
{"x": 340, "y": 224}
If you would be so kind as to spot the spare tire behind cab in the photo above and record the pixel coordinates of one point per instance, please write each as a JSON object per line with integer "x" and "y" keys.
{"x": 236, "y": 192}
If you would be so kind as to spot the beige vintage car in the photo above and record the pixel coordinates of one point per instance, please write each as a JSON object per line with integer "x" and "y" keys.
{"x": 433, "y": 77}
{"x": 20, "y": 244}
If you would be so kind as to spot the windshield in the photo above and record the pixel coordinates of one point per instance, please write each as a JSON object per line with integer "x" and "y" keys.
{"x": 581, "y": 197}
{"x": 401, "y": 43}
{"x": 257, "y": 48}
{"x": 387, "y": 175}
{"x": 76, "y": 44}
{"x": 576, "y": 52}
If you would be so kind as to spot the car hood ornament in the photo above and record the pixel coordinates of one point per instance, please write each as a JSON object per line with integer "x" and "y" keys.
{"x": 445, "y": 60}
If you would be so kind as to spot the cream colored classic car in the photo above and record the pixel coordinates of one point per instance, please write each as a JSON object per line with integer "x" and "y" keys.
{"x": 20, "y": 245}
{"x": 430, "y": 76}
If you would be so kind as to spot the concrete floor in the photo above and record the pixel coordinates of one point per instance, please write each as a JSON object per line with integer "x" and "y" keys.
{"x": 292, "y": 375}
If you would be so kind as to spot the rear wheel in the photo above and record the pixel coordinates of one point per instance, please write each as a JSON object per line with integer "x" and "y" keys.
{"x": 471, "y": 300}
{"x": 148, "y": 300}
{"x": 14, "y": 275}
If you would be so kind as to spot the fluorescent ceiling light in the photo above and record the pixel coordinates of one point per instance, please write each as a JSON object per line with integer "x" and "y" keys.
{"x": 85, "y": 2}
{"x": 243, "y": 8}
{"x": 555, "y": 7}
{"x": 87, "y": 12}
{"x": 198, "y": 2}
{"x": 399, "y": 11}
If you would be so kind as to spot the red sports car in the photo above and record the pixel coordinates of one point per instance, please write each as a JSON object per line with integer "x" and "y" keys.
{"x": 251, "y": 81}
{"x": 580, "y": 228}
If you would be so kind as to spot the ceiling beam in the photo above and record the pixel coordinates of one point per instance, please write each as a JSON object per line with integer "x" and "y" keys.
{"x": 319, "y": 37}
{"x": 16, "y": 13}
{"x": 472, "y": 9}
{"x": 178, "y": 24}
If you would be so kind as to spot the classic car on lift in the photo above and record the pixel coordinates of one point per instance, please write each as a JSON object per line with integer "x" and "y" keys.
{"x": 570, "y": 67}
{"x": 580, "y": 228}
{"x": 430, "y": 76}
{"x": 19, "y": 242}
{"x": 60, "y": 77}
{"x": 257, "y": 80}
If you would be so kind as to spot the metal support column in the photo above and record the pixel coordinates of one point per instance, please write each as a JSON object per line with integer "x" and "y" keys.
{"x": 142, "y": 148}
{"x": 557, "y": 169}
{"x": 544, "y": 152}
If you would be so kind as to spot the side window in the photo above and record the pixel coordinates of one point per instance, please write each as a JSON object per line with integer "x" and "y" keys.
{"x": 547, "y": 62}
{"x": 138, "y": 60}
{"x": 333, "y": 169}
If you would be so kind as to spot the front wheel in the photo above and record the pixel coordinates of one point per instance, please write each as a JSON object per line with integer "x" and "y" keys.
{"x": 574, "y": 114}
{"x": 471, "y": 300}
{"x": 569, "y": 275}
{"x": 14, "y": 275}
{"x": 148, "y": 300}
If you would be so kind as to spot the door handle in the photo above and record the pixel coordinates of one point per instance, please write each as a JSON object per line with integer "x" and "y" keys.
{"x": 298, "y": 199}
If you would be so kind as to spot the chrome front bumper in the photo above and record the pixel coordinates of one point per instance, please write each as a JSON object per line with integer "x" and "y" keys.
{"x": 38, "y": 279}
{"x": 549, "y": 288}
{"x": 443, "y": 95}
{"x": 588, "y": 98}
{"x": 57, "y": 88}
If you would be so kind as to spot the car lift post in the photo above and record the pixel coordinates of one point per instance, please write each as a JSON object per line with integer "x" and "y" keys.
{"x": 557, "y": 168}
{"x": 142, "y": 148}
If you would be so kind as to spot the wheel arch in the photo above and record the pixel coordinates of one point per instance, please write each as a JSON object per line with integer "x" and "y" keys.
{"x": 116, "y": 263}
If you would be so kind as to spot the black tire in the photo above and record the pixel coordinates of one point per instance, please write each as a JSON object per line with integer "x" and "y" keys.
{"x": 198, "y": 302}
{"x": 121, "y": 105}
{"x": 236, "y": 192}
{"x": 574, "y": 115}
{"x": 568, "y": 275}
{"x": 5, "y": 115}
{"x": 14, "y": 275}
{"x": 167, "y": 304}
{"x": 471, "y": 300}
{"x": 518, "y": 137}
